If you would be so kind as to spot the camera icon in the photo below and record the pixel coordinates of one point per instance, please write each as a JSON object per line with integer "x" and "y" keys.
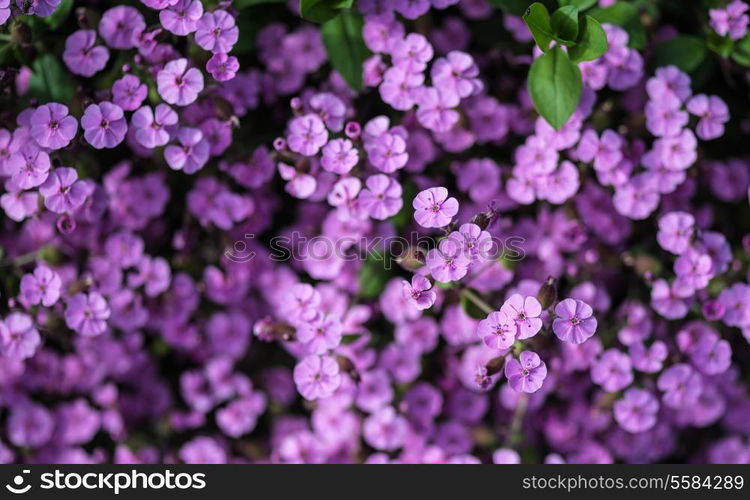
{"x": 17, "y": 486}
{"x": 240, "y": 251}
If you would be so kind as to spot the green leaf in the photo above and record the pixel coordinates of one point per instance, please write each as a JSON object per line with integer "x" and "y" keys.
{"x": 350, "y": 338}
{"x": 514, "y": 7}
{"x": 373, "y": 276}
{"x": 565, "y": 23}
{"x": 404, "y": 216}
{"x": 537, "y": 19}
{"x": 722, "y": 45}
{"x": 555, "y": 86}
{"x": 242, "y": 4}
{"x": 579, "y": 4}
{"x": 628, "y": 17}
{"x": 320, "y": 11}
{"x": 591, "y": 42}
{"x": 60, "y": 15}
{"x": 685, "y": 51}
{"x": 741, "y": 52}
{"x": 50, "y": 81}
{"x": 342, "y": 37}
{"x": 253, "y": 19}
{"x": 471, "y": 309}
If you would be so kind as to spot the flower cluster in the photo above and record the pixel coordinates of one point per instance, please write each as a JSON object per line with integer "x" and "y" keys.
{"x": 197, "y": 203}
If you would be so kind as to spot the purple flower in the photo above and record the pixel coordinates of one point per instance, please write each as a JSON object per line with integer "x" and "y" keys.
{"x": 241, "y": 415}
{"x": 419, "y": 292}
{"x": 320, "y": 335}
{"x": 613, "y": 370}
{"x": 399, "y": 86}
{"x": 736, "y": 300}
{"x": 78, "y": 422}
{"x": 412, "y": 53}
{"x": 217, "y": 32}
{"x": 711, "y": 355}
{"x": 317, "y": 377}
{"x": 29, "y": 425}
{"x": 456, "y": 73}
{"x": 128, "y": 92}
{"x": 181, "y": 18}
{"x": 412, "y": 9}
{"x": 648, "y": 360}
{"x": 675, "y": 232}
{"x": 713, "y": 113}
{"x": 498, "y": 331}
{"x": 222, "y": 67}
{"x": 666, "y": 302}
{"x": 604, "y": 152}
{"x": 730, "y": 21}
{"x": 179, "y": 85}
{"x": 52, "y": 127}
{"x": 433, "y": 208}
{"x": 41, "y": 8}
{"x": 636, "y": 411}
{"x": 526, "y": 374}
{"x": 694, "y": 269}
{"x": 506, "y": 456}
{"x": 63, "y": 192}
{"x": 28, "y": 167}
{"x": 87, "y": 314}
{"x": 435, "y": 109}
{"x": 104, "y": 125}
{"x": 153, "y": 274}
{"x": 203, "y": 450}
{"x": 330, "y": 108}
{"x": 80, "y": 55}
{"x": 535, "y": 156}
{"x": 381, "y": 198}
{"x": 41, "y": 287}
{"x": 152, "y": 129}
{"x": 121, "y": 26}
{"x": 388, "y": 152}
{"x": 677, "y": 152}
{"x": 385, "y": 429}
{"x": 339, "y": 156}
{"x": 574, "y": 321}
{"x": 307, "y": 134}
{"x": 448, "y": 262}
{"x": 4, "y": 15}
{"x": 664, "y": 118}
{"x": 681, "y": 386}
{"x": 191, "y": 154}
{"x": 18, "y": 337}
{"x": 669, "y": 83}
{"x": 420, "y": 335}
{"x": 525, "y": 313}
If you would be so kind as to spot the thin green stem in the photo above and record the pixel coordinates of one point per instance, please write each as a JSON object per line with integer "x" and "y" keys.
{"x": 477, "y": 301}
{"x": 514, "y": 432}
{"x": 21, "y": 260}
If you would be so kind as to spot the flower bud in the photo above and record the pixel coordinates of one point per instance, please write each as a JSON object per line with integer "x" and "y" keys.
{"x": 483, "y": 219}
{"x": 411, "y": 259}
{"x": 548, "y": 293}
{"x": 495, "y": 365}
{"x": 346, "y": 366}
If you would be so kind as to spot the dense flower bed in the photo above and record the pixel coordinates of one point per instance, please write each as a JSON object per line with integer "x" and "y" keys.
{"x": 416, "y": 231}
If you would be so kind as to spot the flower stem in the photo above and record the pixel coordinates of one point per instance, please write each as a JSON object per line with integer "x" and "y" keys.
{"x": 514, "y": 431}
{"x": 477, "y": 301}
